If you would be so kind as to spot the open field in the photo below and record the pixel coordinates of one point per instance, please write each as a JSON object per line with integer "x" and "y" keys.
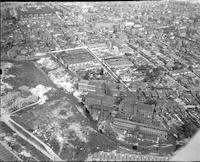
{"x": 5, "y": 129}
{"x": 64, "y": 129}
{"x": 5, "y": 155}
{"x": 34, "y": 152}
{"x": 24, "y": 84}
{"x": 26, "y": 74}
{"x": 18, "y": 145}
{"x": 76, "y": 56}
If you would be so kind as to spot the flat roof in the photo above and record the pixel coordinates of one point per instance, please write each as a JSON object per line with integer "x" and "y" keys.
{"x": 140, "y": 124}
{"x": 118, "y": 61}
{"x": 144, "y": 107}
{"x": 76, "y": 56}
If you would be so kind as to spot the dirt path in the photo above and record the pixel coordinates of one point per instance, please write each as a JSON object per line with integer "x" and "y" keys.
{"x": 26, "y": 107}
{"x": 49, "y": 153}
{"x": 4, "y": 146}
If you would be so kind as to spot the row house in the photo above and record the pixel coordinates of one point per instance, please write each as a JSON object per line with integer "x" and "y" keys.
{"x": 180, "y": 72}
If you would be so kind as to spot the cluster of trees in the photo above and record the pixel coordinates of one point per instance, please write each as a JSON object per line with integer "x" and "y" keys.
{"x": 177, "y": 66}
{"x": 14, "y": 101}
{"x": 151, "y": 101}
{"x": 152, "y": 74}
{"x": 13, "y": 52}
{"x": 88, "y": 73}
{"x": 5, "y": 13}
{"x": 8, "y": 99}
{"x": 186, "y": 131}
{"x": 21, "y": 102}
{"x": 143, "y": 67}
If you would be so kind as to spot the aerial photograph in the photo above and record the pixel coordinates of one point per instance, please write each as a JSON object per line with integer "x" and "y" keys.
{"x": 100, "y": 81}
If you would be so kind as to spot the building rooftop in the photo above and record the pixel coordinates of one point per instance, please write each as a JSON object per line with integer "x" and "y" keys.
{"x": 93, "y": 99}
{"x": 129, "y": 123}
{"x": 118, "y": 61}
{"x": 92, "y": 83}
{"x": 144, "y": 107}
{"x": 76, "y": 56}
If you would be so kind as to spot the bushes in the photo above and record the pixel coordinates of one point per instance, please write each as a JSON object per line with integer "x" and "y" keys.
{"x": 13, "y": 100}
{"x": 152, "y": 75}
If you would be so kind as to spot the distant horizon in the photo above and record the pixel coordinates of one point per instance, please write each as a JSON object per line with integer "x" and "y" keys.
{"x": 190, "y": 1}
{"x": 65, "y": 2}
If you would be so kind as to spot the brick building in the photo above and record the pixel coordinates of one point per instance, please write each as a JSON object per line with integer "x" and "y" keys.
{"x": 100, "y": 106}
{"x": 126, "y": 107}
{"x": 142, "y": 128}
{"x": 100, "y": 87}
{"x": 92, "y": 86}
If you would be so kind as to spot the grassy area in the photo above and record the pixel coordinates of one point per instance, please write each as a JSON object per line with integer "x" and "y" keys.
{"x": 5, "y": 155}
{"x": 5, "y": 128}
{"x": 34, "y": 152}
{"x": 28, "y": 136}
{"x": 76, "y": 56}
{"x": 26, "y": 74}
{"x": 21, "y": 143}
{"x": 58, "y": 119}
{"x": 24, "y": 122}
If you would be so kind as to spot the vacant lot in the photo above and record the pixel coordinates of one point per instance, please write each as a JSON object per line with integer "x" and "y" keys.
{"x": 18, "y": 145}
{"x": 23, "y": 83}
{"x": 76, "y": 56}
{"x": 64, "y": 129}
{"x": 26, "y": 74}
{"x": 56, "y": 122}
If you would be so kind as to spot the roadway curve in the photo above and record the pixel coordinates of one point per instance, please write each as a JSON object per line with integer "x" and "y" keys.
{"x": 33, "y": 104}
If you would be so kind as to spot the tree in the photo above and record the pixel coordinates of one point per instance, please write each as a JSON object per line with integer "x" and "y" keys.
{"x": 177, "y": 65}
{"x": 143, "y": 67}
{"x": 151, "y": 101}
{"x": 151, "y": 76}
{"x": 190, "y": 68}
{"x": 86, "y": 76}
{"x": 197, "y": 82}
{"x": 13, "y": 52}
{"x": 187, "y": 130}
{"x": 101, "y": 71}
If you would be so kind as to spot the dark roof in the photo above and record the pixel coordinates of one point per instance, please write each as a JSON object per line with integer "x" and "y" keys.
{"x": 132, "y": 96}
{"x": 127, "y": 105}
{"x": 92, "y": 83}
{"x": 131, "y": 123}
{"x": 89, "y": 100}
{"x": 144, "y": 107}
{"x": 96, "y": 83}
{"x": 83, "y": 81}
{"x": 93, "y": 99}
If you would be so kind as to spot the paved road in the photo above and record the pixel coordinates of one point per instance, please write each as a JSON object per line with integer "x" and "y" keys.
{"x": 49, "y": 153}
{"x": 155, "y": 65}
{"x": 6, "y": 154}
{"x": 109, "y": 70}
{"x": 172, "y": 77}
{"x": 67, "y": 49}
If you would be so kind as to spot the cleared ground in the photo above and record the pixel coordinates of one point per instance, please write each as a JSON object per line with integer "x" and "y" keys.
{"x": 60, "y": 125}
{"x": 17, "y": 147}
{"x": 57, "y": 122}
{"x": 26, "y": 74}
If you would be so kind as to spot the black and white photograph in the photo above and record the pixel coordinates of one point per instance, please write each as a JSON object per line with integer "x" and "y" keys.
{"x": 100, "y": 81}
